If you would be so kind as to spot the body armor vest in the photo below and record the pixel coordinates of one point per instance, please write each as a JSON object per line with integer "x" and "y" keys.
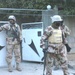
{"x": 10, "y": 32}
{"x": 56, "y": 36}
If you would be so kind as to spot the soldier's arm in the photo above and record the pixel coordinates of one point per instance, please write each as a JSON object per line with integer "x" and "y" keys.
{"x": 4, "y": 27}
{"x": 46, "y": 33}
{"x": 67, "y": 31}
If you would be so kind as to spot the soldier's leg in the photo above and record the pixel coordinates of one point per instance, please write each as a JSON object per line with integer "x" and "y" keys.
{"x": 56, "y": 63}
{"x": 17, "y": 57}
{"x": 64, "y": 61}
{"x": 9, "y": 56}
{"x": 64, "y": 66}
{"x": 49, "y": 64}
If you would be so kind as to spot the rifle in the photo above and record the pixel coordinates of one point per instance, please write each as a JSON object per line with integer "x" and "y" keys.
{"x": 16, "y": 34}
{"x": 68, "y": 47}
{"x": 45, "y": 55}
{"x": 44, "y": 58}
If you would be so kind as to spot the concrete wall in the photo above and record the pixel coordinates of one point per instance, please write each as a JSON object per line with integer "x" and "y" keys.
{"x": 70, "y": 22}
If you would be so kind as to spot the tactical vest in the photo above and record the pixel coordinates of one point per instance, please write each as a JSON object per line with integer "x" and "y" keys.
{"x": 56, "y": 36}
{"x": 10, "y": 33}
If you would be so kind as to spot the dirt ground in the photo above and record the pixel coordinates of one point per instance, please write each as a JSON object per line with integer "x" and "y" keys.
{"x": 31, "y": 69}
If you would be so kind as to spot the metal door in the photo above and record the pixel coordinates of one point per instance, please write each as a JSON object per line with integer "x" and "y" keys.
{"x": 31, "y": 33}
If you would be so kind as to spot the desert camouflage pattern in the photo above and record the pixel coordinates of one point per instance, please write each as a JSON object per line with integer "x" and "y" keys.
{"x": 54, "y": 51}
{"x": 12, "y": 45}
{"x": 66, "y": 32}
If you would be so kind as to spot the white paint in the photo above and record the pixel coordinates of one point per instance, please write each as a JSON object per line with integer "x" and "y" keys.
{"x": 31, "y": 34}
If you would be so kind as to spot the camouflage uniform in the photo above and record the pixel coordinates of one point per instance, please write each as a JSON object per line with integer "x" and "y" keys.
{"x": 12, "y": 44}
{"x": 66, "y": 32}
{"x": 60, "y": 53}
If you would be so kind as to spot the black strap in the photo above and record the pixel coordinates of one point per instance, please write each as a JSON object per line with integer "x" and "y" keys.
{"x": 15, "y": 33}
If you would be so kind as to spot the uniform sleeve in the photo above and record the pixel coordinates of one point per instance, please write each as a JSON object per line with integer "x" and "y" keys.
{"x": 67, "y": 31}
{"x": 4, "y": 27}
{"x": 46, "y": 33}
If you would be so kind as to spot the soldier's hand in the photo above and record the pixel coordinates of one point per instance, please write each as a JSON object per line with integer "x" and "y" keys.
{"x": 45, "y": 49}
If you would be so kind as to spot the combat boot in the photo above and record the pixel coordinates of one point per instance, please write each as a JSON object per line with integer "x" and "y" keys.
{"x": 10, "y": 68}
{"x": 18, "y": 67}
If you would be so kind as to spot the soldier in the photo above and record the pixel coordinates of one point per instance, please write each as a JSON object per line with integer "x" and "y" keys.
{"x": 13, "y": 40}
{"x": 56, "y": 48}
